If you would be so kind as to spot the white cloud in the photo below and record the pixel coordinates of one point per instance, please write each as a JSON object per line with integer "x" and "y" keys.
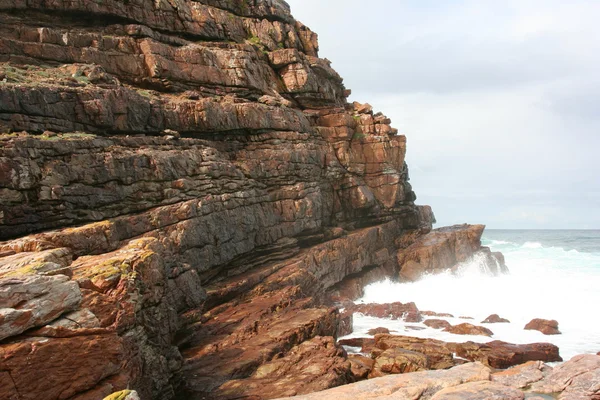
{"x": 498, "y": 100}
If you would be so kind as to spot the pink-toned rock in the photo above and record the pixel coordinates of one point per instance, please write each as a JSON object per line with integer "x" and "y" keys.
{"x": 360, "y": 366}
{"x": 522, "y": 375}
{"x": 547, "y": 327}
{"x": 469, "y": 329}
{"x": 494, "y": 319}
{"x": 479, "y": 391}
{"x": 443, "y": 249}
{"x": 437, "y": 323}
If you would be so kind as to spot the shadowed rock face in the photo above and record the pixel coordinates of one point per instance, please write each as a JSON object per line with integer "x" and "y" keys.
{"x": 184, "y": 191}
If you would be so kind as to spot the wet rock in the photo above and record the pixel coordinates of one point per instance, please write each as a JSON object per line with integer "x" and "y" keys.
{"x": 439, "y": 356}
{"x": 547, "y": 327}
{"x": 494, "y": 319}
{"x": 498, "y": 354}
{"x": 408, "y": 311}
{"x": 468, "y": 329}
{"x": 479, "y": 391}
{"x": 443, "y": 249}
{"x": 437, "y": 323}
{"x": 522, "y": 375}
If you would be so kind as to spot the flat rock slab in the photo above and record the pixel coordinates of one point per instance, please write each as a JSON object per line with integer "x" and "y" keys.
{"x": 522, "y": 375}
{"x": 479, "y": 391}
{"x": 578, "y": 378}
{"x": 406, "y": 386}
{"x": 33, "y": 300}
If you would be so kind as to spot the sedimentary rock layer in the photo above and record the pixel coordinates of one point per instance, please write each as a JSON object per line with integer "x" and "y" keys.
{"x": 185, "y": 193}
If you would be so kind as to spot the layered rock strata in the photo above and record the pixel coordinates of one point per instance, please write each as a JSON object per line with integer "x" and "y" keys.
{"x": 185, "y": 192}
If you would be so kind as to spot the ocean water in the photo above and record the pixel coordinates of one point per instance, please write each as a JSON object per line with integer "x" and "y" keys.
{"x": 554, "y": 274}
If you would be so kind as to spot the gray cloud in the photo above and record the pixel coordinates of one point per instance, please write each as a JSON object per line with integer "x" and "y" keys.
{"x": 498, "y": 100}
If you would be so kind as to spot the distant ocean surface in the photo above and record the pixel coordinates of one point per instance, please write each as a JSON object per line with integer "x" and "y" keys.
{"x": 554, "y": 274}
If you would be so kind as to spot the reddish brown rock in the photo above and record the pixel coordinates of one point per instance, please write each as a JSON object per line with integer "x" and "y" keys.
{"x": 409, "y": 311}
{"x": 443, "y": 249}
{"x": 503, "y": 355}
{"x": 376, "y": 331}
{"x": 547, "y": 327}
{"x": 437, "y": 323}
{"x": 523, "y": 375}
{"x": 494, "y": 319}
{"x": 436, "y": 314}
{"x": 439, "y": 356}
{"x": 468, "y": 329}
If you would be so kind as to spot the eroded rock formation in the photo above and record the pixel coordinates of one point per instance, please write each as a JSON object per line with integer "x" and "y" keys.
{"x": 185, "y": 193}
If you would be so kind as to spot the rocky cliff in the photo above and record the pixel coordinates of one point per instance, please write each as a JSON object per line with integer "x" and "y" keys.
{"x": 185, "y": 192}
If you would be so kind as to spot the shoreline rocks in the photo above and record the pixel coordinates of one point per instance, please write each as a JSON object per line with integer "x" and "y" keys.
{"x": 547, "y": 327}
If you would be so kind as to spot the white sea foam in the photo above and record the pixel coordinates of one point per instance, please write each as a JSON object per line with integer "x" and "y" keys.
{"x": 550, "y": 283}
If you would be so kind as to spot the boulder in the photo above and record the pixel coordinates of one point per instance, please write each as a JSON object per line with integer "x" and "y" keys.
{"x": 498, "y": 354}
{"x": 439, "y": 356}
{"x": 523, "y": 375}
{"x": 27, "y": 301}
{"x": 376, "y": 331}
{"x": 123, "y": 395}
{"x": 494, "y": 319}
{"x": 408, "y": 311}
{"x": 547, "y": 327}
{"x": 437, "y": 323}
{"x": 399, "y": 361}
{"x": 404, "y": 386}
{"x": 578, "y": 378}
{"x": 316, "y": 364}
{"x": 468, "y": 329}
{"x": 360, "y": 366}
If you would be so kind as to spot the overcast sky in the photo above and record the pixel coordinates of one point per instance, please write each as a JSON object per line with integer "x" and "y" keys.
{"x": 499, "y": 100}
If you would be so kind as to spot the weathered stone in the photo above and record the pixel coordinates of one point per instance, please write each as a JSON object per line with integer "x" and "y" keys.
{"x": 547, "y": 327}
{"x": 498, "y": 354}
{"x": 479, "y": 391}
{"x": 398, "y": 361}
{"x": 494, "y": 319}
{"x": 437, "y": 323}
{"x": 468, "y": 329}
{"x": 376, "y": 331}
{"x": 578, "y": 378}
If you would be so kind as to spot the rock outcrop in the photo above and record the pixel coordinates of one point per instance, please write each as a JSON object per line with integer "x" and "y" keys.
{"x": 186, "y": 196}
{"x": 547, "y": 327}
{"x": 446, "y": 249}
